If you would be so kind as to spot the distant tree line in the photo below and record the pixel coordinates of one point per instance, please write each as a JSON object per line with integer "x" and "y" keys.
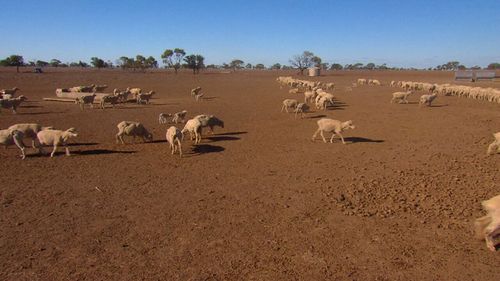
{"x": 177, "y": 58}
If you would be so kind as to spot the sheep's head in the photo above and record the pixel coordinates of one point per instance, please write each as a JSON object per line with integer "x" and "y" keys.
{"x": 348, "y": 125}
{"x": 149, "y": 137}
{"x": 16, "y": 89}
{"x": 71, "y": 130}
{"x": 23, "y": 98}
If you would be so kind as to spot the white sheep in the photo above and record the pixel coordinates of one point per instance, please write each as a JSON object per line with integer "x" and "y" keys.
{"x": 174, "y": 137}
{"x": 29, "y": 130}
{"x": 301, "y": 108}
{"x": 134, "y": 129}
{"x": 134, "y": 92}
{"x": 99, "y": 88}
{"x": 400, "y": 97}
{"x": 209, "y": 121}
{"x": 427, "y": 99}
{"x": 289, "y": 103}
{"x": 10, "y": 137}
{"x": 56, "y": 138}
{"x": 488, "y": 227}
{"x": 193, "y": 126}
{"x": 199, "y": 96}
{"x": 195, "y": 91}
{"x": 309, "y": 96}
{"x": 87, "y": 99}
{"x": 334, "y": 126}
{"x": 9, "y": 92}
{"x": 144, "y": 97}
{"x": 179, "y": 116}
{"x": 495, "y": 145}
{"x": 13, "y": 103}
{"x": 111, "y": 99}
{"x": 162, "y": 118}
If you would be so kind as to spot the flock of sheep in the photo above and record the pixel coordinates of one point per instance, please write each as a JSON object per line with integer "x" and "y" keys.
{"x": 315, "y": 93}
{"x": 49, "y": 136}
{"x": 488, "y": 226}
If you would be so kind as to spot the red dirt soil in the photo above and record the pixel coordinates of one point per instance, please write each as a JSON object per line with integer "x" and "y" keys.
{"x": 258, "y": 200}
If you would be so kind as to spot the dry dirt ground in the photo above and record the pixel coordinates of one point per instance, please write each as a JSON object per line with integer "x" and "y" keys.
{"x": 258, "y": 200}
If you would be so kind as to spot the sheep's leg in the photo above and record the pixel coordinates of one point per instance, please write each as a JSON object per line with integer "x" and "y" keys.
{"x": 283, "y": 107}
{"x": 54, "y": 150}
{"x": 67, "y": 150}
{"x": 340, "y": 135}
{"x": 179, "y": 146}
{"x": 322, "y": 136}
{"x": 315, "y": 134}
{"x": 331, "y": 139}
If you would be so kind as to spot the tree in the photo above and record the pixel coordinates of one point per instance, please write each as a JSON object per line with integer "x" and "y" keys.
{"x": 370, "y": 65}
{"x": 97, "y": 62}
{"x": 151, "y": 62}
{"x": 178, "y": 56}
{"x": 324, "y": 65}
{"x": 260, "y": 66}
{"x": 303, "y": 61}
{"x": 249, "y": 66}
{"x": 194, "y": 62}
{"x": 13, "y": 60}
{"x": 461, "y": 67}
{"x": 317, "y": 61}
{"x": 336, "y": 66}
{"x": 494, "y": 65}
{"x": 41, "y": 63}
{"x": 55, "y": 62}
{"x": 140, "y": 62}
{"x": 236, "y": 64}
{"x": 276, "y": 66}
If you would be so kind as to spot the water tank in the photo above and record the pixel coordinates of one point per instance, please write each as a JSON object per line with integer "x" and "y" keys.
{"x": 314, "y": 71}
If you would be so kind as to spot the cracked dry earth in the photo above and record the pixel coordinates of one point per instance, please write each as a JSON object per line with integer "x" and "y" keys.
{"x": 258, "y": 200}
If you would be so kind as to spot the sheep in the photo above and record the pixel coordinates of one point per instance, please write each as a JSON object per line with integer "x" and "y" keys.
{"x": 209, "y": 121}
{"x": 393, "y": 83}
{"x": 293, "y": 91}
{"x": 179, "y": 115}
{"x": 330, "y": 86}
{"x": 8, "y": 93}
{"x": 122, "y": 96}
{"x": 99, "y": 88}
{"x": 495, "y": 145}
{"x": 400, "y": 96}
{"x": 82, "y": 89}
{"x": 162, "y": 118}
{"x": 55, "y": 138}
{"x": 12, "y": 103}
{"x": 195, "y": 91}
{"x": 488, "y": 227}
{"x": 10, "y": 137}
{"x": 134, "y": 92}
{"x": 309, "y": 96}
{"x": 301, "y": 108}
{"x": 135, "y": 129}
{"x": 288, "y": 103}
{"x": 109, "y": 99}
{"x": 331, "y": 125}
{"x": 144, "y": 97}
{"x": 323, "y": 99}
{"x": 174, "y": 137}
{"x": 376, "y": 82}
{"x": 362, "y": 81}
{"x": 193, "y": 126}
{"x": 29, "y": 130}
{"x": 87, "y": 99}
{"x": 199, "y": 96}
{"x": 427, "y": 99}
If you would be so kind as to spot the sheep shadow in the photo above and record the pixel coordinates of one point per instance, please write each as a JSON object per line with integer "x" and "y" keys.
{"x": 82, "y": 143}
{"x": 222, "y": 138}
{"x": 79, "y": 152}
{"x": 231, "y": 133}
{"x": 159, "y": 141}
{"x": 100, "y": 152}
{"x": 207, "y": 148}
{"x": 360, "y": 139}
{"x": 39, "y": 113}
{"x": 439, "y": 105}
{"x": 317, "y": 116}
{"x": 336, "y": 106}
{"x": 30, "y": 106}
{"x": 209, "y": 98}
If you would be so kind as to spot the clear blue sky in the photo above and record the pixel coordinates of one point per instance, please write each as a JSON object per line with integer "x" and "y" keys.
{"x": 418, "y": 33}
